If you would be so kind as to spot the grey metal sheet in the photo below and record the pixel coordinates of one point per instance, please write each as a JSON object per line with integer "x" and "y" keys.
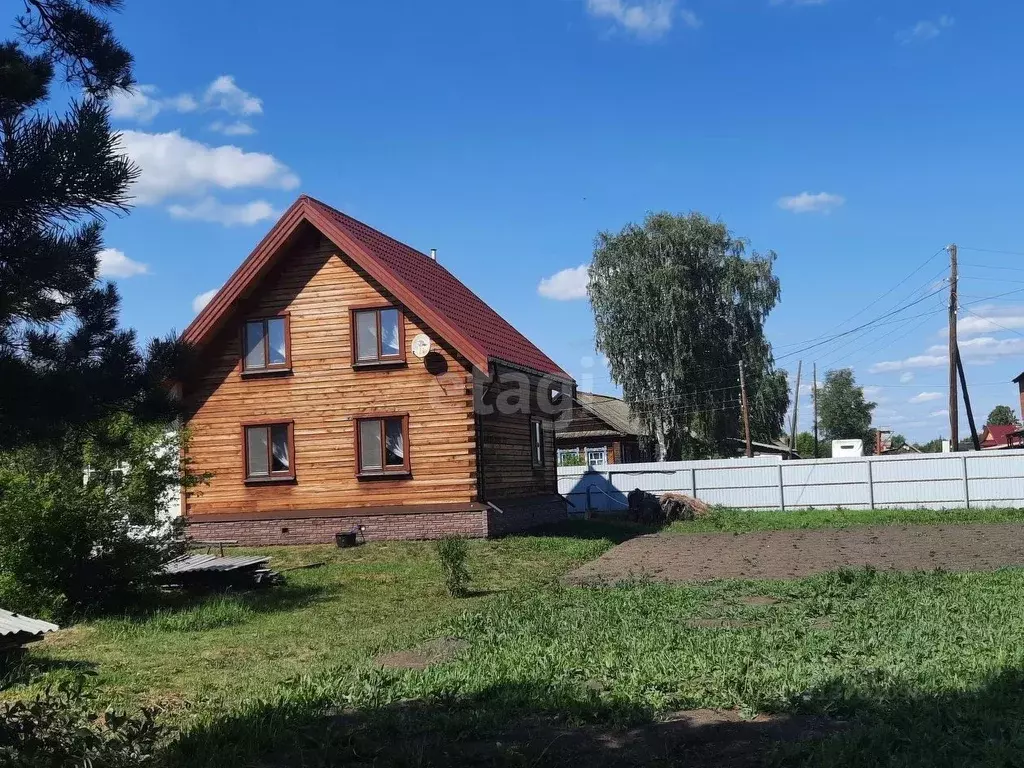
{"x": 200, "y": 563}
{"x": 13, "y": 624}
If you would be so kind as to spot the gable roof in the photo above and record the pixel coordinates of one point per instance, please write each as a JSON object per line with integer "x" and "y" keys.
{"x": 998, "y": 433}
{"x": 612, "y": 411}
{"x": 419, "y": 282}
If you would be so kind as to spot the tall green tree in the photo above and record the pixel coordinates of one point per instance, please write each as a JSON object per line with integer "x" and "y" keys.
{"x": 805, "y": 446}
{"x": 1002, "y": 415}
{"x": 843, "y": 411}
{"x": 677, "y": 305}
{"x": 63, "y": 360}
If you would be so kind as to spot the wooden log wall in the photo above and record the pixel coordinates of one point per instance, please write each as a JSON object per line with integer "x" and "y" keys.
{"x": 507, "y": 466}
{"x": 316, "y": 284}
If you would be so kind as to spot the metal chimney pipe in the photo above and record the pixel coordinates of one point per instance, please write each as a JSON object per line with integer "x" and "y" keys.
{"x": 433, "y": 253}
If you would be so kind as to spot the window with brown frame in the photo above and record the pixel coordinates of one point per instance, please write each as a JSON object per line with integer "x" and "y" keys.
{"x": 266, "y": 345}
{"x": 378, "y": 336}
{"x": 269, "y": 451}
{"x": 382, "y": 446}
{"x": 537, "y": 443}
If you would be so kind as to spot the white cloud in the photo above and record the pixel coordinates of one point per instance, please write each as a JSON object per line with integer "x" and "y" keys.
{"x": 875, "y": 394}
{"x": 690, "y": 19}
{"x": 925, "y": 30}
{"x": 938, "y": 414}
{"x": 983, "y": 350}
{"x": 237, "y": 128}
{"x": 906, "y": 377}
{"x": 211, "y": 209}
{"x": 144, "y": 102}
{"x": 917, "y": 361}
{"x": 986, "y": 349}
{"x": 644, "y": 18}
{"x": 925, "y": 397}
{"x": 225, "y": 95}
{"x": 566, "y": 285}
{"x": 199, "y": 302}
{"x": 805, "y": 202}
{"x": 174, "y": 165}
{"x": 987, "y": 319}
{"x": 114, "y": 263}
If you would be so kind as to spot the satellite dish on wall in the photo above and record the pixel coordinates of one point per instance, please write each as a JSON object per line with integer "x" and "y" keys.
{"x": 421, "y": 345}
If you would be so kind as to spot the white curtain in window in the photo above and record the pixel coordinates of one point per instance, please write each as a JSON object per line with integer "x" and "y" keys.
{"x": 390, "y": 340}
{"x": 395, "y": 442}
{"x": 278, "y": 345}
{"x": 279, "y": 447}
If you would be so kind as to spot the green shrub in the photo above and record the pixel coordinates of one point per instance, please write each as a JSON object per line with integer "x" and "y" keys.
{"x": 59, "y": 728}
{"x": 81, "y": 521}
{"x": 452, "y": 551}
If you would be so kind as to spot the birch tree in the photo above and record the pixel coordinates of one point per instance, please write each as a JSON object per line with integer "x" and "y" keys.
{"x": 677, "y": 304}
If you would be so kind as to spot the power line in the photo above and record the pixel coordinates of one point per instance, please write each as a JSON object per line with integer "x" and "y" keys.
{"x": 868, "y": 324}
{"x": 875, "y": 341}
{"x": 992, "y": 250}
{"x": 861, "y": 311}
{"x": 993, "y": 322}
{"x": 991, "y": 298}
{"x": 991, "y": 266}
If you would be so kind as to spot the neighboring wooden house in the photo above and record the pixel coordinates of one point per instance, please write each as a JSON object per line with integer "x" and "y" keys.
{"x": 318, "y": 408}
{"x": 601, "y": 431}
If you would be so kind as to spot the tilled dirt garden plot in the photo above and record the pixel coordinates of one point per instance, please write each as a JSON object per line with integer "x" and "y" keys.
{"x": 797, "y": 553}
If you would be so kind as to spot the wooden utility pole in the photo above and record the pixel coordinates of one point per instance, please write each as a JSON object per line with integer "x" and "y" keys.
{"x": 967, "y": 401}
{"x": 796, "y": 407}
{"x": 746, "y": 412}
{"x": 814, "y": 398}
{"x": 954, "y": 354}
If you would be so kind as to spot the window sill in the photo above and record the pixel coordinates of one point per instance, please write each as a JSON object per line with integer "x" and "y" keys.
{"x": 371, "y": 364}
{"x": 269, "y": 373}
{"x": 399, "y": 475}
{"x": 282, "y": 480}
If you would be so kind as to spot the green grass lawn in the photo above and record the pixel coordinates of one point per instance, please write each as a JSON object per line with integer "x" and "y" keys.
{"x": 206, "y": 654}
{"x": 928, "y": 669}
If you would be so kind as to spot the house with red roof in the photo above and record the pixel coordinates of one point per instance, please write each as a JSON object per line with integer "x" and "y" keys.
{"x": 346, "y": 383}
{"x": 996, "y": 436}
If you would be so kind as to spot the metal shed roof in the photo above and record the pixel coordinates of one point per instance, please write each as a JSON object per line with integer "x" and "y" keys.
{"x": 15, "y": 624}
{"x": 197, "y": 563}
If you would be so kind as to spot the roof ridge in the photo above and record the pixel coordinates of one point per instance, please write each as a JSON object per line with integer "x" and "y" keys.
{"x": 365, "y": 234}
{"x": 354, "y": 220}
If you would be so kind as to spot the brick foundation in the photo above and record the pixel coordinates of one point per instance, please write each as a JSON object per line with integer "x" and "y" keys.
{"x": 517, "y": 515}
{"x": 321, "y": 530}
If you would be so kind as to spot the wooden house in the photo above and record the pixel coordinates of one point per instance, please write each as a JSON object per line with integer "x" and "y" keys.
{"x": 600, "y": 431}
{"x": 347, "y": 382}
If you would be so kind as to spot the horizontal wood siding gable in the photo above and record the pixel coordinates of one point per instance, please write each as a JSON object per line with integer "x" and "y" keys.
{"x": 323, "y": 395}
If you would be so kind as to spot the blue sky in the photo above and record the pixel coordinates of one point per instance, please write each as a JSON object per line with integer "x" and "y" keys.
{"x": 856, "y": 138}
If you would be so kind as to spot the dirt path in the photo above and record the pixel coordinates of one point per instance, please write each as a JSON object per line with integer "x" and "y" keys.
{"x": 795, "y": 554}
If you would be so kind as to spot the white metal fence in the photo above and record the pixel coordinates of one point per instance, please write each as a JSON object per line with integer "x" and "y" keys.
{"x": 933, "y": 480}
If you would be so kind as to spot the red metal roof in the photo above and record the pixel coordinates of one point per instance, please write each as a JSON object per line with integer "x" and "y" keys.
{"x": 431, "y": 291}
{"x": 996, "y": 434}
